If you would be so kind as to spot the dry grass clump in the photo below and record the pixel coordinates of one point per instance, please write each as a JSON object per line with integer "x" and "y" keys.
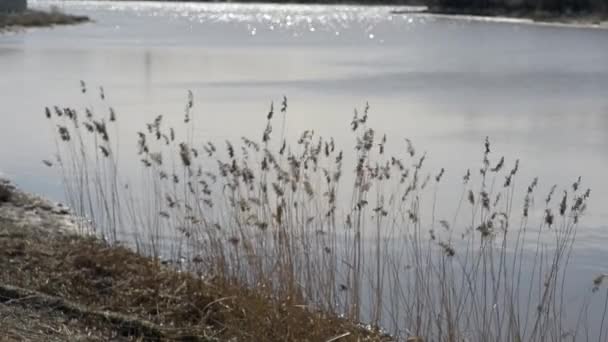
{"x": 358, "y": 234}
{"x": 93, "y": 274}
{"x": 34, "y": 18}
{"x": 21, "y": 322}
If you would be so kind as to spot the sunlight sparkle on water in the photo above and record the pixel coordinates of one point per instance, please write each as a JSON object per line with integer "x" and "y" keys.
{"x": 275, "y": 17}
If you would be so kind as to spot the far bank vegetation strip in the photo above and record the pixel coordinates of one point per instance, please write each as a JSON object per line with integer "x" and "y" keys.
{"x": 36, "y": 18}
{"x": 593, "y": 12}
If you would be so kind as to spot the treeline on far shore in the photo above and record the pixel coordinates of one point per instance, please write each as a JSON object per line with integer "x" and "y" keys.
{"x": 556, "y": 7}
{"x": 515, "y": 7}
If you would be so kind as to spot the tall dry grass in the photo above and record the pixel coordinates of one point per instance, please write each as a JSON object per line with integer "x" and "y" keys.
{"x": 363, "y": 240}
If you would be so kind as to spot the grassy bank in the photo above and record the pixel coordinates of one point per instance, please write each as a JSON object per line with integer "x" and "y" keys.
{"x": 55, "y": 285}
{"x": 36, "y": 18}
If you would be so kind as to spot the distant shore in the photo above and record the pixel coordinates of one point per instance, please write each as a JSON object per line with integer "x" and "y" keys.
{"x": 37, "y": 18}
{"x": 536, "y": 17}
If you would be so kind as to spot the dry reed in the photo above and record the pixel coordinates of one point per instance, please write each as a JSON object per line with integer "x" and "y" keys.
{"x": 281, "y": 218}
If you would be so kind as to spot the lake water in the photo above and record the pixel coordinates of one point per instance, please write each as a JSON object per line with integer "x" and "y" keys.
{"x": 539, "y": 92}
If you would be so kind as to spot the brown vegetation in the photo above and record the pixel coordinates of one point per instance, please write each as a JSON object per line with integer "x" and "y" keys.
{"x": 72, "y": 286}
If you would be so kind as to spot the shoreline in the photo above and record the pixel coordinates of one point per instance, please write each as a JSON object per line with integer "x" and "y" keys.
{"x": 58, "y": 284}
{"x": 38, "y": 18}
{"x": 499, "y": 15}
{"x": 593, "y": 21}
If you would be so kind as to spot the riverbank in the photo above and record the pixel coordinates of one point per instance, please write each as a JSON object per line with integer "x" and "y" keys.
{"x": 56, "y": 285}
{"x": 37, "y": 18}
{"x": 596, "y": 20}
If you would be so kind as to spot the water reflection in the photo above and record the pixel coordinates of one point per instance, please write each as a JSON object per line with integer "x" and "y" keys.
{"x": 539, "y": 92}
{"x": 148, "y": 70}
